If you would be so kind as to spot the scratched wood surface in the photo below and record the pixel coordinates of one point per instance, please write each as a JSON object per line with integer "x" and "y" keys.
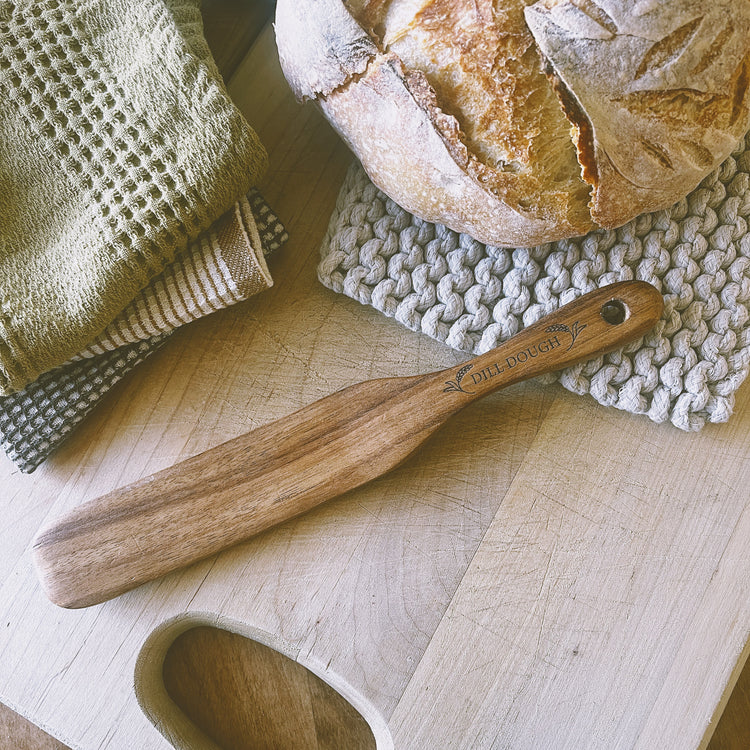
{"x": 544, "y": 573}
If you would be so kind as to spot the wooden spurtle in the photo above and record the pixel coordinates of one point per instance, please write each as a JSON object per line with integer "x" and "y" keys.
{"x": 280, "y": 470}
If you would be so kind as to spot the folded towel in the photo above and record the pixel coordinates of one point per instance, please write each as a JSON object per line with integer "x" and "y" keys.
{"x": 118, "y": 146}
{"x": 36, "y": 420}
{"x": 225, "y": 265}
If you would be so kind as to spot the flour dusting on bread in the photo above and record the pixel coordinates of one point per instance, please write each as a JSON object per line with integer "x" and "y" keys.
{"x": 524, "y": 121}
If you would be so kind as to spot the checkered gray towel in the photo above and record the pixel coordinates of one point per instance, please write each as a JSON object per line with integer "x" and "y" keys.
{"x": 222, "y": 267}
{"x": 36, "y": 420}
{"x": 472, "y": 296}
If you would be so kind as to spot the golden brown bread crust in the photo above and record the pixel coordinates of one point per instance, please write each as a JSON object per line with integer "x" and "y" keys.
{"x": 521, "y": 122}
{"x": 372, "y": 118}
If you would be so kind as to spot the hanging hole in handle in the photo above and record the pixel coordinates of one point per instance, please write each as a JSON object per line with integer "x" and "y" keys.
{"x": 614, "y": 312}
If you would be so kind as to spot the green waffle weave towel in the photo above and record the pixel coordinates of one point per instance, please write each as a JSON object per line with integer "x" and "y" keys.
{"x": 118, "y": 146}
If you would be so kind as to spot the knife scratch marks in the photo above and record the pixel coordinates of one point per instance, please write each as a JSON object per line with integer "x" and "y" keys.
{"x": 544, "y": 591}
{"x": 203, "y": 580}
{"x": 300, "y": 358}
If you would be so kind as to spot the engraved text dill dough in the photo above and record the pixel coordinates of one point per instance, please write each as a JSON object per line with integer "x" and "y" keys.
{"x": 513, "y": 360}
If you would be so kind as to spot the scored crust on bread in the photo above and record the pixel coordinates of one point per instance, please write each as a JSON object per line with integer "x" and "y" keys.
{"x": 523, "y": 122}
{"x": 663, "y": 87}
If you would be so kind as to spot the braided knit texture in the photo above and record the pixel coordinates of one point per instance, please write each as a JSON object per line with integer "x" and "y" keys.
{"x": 473, "y": 296}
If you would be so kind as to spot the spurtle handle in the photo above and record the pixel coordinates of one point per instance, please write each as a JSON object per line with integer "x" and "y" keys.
{"x": 595, "y": 323}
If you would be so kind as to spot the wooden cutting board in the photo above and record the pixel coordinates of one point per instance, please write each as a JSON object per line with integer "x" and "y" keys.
{"x": 545, "y": 573}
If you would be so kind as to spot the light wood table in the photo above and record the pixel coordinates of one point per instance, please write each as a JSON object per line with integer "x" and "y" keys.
{"x": 544, "y": 573}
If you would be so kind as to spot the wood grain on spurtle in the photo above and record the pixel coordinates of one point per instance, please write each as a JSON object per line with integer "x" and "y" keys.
{"x": 280, "y": 470}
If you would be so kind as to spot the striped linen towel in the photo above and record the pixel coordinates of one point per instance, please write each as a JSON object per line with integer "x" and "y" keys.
{"x": 224, "y": 266}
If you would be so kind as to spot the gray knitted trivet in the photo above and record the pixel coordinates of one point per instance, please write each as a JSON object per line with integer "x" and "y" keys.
{"x": 473, "y": 296}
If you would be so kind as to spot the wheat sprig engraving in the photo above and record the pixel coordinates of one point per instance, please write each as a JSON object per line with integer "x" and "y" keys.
{"x": 455, "y": 385}
{"x": 573, "y": 330}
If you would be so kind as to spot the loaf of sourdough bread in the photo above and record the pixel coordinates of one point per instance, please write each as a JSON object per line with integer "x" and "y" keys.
{"x": 521, "y": 121}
